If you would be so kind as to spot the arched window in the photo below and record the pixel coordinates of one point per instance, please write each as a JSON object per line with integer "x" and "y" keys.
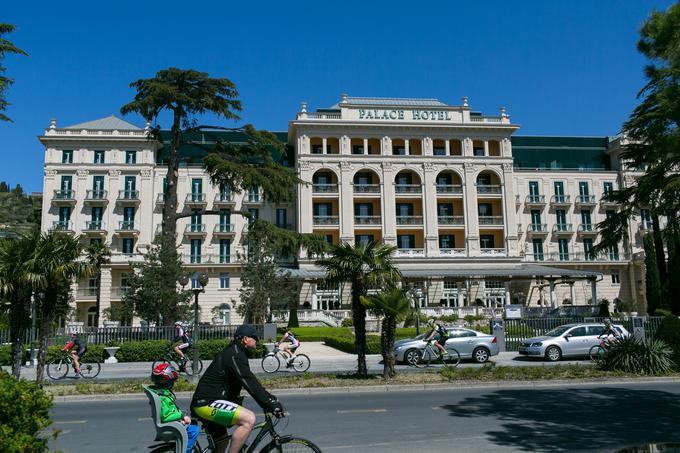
{"x": 225, "y": 314}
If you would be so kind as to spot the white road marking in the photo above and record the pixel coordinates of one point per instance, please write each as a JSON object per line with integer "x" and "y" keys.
{"x": 70, "y": 422}
{"x": 362, "y": 411}
{"x": 143, "y": 419}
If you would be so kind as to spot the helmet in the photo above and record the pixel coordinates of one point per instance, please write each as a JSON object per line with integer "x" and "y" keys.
{"x": 430, "y": 322}
{"x": 246, "y": 330}
{"x": 178, "y": 323}
{"x": 164, "y": 375}
{"x": 607, "y": 322}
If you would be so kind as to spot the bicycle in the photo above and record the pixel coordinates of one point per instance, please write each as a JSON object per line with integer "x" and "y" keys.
{"x": 58, "y": 368}
{"x": 174, "y": 360}
{"x": 598, "y": 351}
{"x": 430, "y": 354}
{"x": 279, "y": 443}
{"x": 271, "y": 362}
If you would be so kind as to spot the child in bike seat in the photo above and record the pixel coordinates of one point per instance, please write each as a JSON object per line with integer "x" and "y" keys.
{"x": 164, "y": 377}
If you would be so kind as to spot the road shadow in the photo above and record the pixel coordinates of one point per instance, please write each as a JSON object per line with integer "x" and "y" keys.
{"x": 575, "y": 419}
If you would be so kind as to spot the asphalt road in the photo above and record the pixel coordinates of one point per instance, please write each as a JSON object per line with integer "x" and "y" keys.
{"x": 561, "y": 418}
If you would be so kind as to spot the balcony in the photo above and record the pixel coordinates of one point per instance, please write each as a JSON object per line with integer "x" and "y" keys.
{"x": 449, "y": 220}
{"x": 119, "y": 292}
{"x": 560, "y": 200}
{"x": 453, "y": 252}
{"x": 373, "y": 189}
{"x": 534, "y": 200}
{"x": 585, "y": 200}
{"x": 410, "y": 253}
{"x": 95, "y": 227}
{"x": 587, "y": 229}
{"x": 326, "y": 220}
{"x": 127, "y": 227}
{"x": 645, "y": 227}
{"x": 195, "y": 200}
{"x": 195, "y": 229}
{"x": 128, "y": 197}
{"x": 563, "y": 229}
{"x": 608, "y": 203}
{"x": 324, "y": 189}
{"x": 490, "y": 220}
{"x": 225, "y": 258}
{"x": 62, "y": 225}
{"x": 223, "y": 200}
{"x": 410, "y": 220}
{"x": 408, "y": 189}
{"x": 537, "y": 229}
{"x": 493, "y": 252}
{"x": 89, "y": 293}
{"x": 64, "y": 197}
{"x": 367, "y": 220}
{"x": 96, "y": 197}
{"x": 449, "y": 189}
{"x": 489, "y": 189}
{"x": 224, "y": 229}
{"x": 254, "y": 199}
{"x": 160, "y": 199}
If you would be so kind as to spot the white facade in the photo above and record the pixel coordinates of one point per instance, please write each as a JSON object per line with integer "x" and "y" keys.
{"x": 437, "y": 181}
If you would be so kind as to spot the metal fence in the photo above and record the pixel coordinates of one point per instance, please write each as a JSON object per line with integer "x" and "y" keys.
{"x": 517, "y": 330}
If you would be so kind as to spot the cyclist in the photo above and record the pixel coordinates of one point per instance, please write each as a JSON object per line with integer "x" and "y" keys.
{"x": 182, "y": 341}
{"x": 288, "y": 350}
{"x": 216, "y": 400}
{"x": 77, "y": 347}
{"x": 437, "y": 328}
{"x": 163, "y": 378}
{"x": 610, "y": 333}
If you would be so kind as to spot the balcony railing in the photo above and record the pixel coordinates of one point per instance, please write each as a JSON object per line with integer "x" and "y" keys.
{"x": 65, "y": 195}
{"x": 366, "y": 188}
{"x": 491, "y": 220}
{"x": 87, "y": 293}
{"x": 94, "y": 225}
{"x": 326, "y": 220}
{"x": 118, "y": 292}
{"x": 128, "y": 195}
{"x": 324, "y": 188}
{"x": 451, "y": 220}
{"x": 585, "y": 199}
{"x": 489, "y": 189}
{"x": 367, "y": 220}
{"x": 452, "y": 252}
{"x": 224, "y": 198}
{"x": 410, "y": 220}
{"x": 578, "y": 257}
{"x": 224, "y": 228}
{"x": 449, "y": 188}
{"x": 560, "y": 199}
{"x": 535, "y": 199}
{"x": 540, "y": 228}
{"x": 225, "y": 258}
{"x": 565, "y": 228}
{"x": 195, "y": 228}
{"x": 195, "y": 199}
{"x": 254, "y": 198}
{"x": 126, "y": 225}
{"x": 160, "y": 199}
{"x": 605, "y": 202}
{"x": 62, "y": 225}
{"x": 587, "y": 228}
{"x": 493, "y": 252}
{"x": 407, "y": 188}
{"x": 95, "y": 195}
{"x": 409, "y": 252}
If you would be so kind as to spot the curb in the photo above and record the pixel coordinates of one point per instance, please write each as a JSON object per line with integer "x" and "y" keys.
{"x": 395, "y": 388}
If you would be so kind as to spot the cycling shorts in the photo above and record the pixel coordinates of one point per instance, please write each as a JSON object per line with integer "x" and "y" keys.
{"x": 217, "y": 416}
{"x": 81, "y": 351}
{"x": 183, "y": 346}
{"x": 442, "y": 340}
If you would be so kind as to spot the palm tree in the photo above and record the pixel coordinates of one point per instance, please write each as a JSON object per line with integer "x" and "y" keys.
{"x": 392, "y": 305}
{"x": 364, "y": 266}
{"x": 16, "y": 288}
{"x": 55, "y": 261}
{"x": 97, "y": 255}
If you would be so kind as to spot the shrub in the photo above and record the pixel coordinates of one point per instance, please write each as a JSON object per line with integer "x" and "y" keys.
{"x": 662, "y": 312}
{"x": 632, "y": 355}
{"x": 25, "y": 414}
{"x": 448, "y": 318}
{"x": 669, "y": 333}
{"x": 347, "y": 345}
{"x": 347, "y": 322}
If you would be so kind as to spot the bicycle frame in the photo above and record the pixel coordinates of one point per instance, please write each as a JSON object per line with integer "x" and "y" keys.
{"x": 265, "y": 428}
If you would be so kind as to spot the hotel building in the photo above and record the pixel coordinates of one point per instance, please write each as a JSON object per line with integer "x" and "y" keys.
{"x": 480, "y": 216}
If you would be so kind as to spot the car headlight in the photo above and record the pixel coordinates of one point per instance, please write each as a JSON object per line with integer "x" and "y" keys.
{"x": 537, "y": 344}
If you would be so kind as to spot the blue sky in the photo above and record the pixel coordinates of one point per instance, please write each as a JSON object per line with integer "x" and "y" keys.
{"x": 560, "y": 68}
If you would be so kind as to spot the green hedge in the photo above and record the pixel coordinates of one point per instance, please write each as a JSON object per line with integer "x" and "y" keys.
{"x": 669, "y": 333}
{"x": 320, "y": 333}
{"x": 347, "y": 345}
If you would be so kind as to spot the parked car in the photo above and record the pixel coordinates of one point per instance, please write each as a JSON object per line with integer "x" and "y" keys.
{"x": 470, "y": 344}
{"x": 566, "y": 341}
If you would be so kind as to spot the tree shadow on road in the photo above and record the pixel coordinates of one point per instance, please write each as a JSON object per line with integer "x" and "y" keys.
{"x": 578, "y": 419}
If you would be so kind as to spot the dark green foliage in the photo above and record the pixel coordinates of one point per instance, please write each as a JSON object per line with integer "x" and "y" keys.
{"x": 348, "y": 345}
{"x": 604, "y": 309}
{"x": 6, "y": 47}
{"x": 25, "y": 416}
{"x": 293, "y": 318}
{"x": 631, "y": 355}
{"x": 669, "y": 332}
{"x": 19, "y": 213}
{"x": 652, "y": 282}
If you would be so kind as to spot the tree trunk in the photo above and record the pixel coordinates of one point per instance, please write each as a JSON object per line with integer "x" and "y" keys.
{"x": 46, "y": 314}
{"x": 359, "y": 315}
{"x": 387, "y": 346}
{"x": 98, "y": 301}
{"x": 658, "y": 246}
{"x": 17, "y": 329}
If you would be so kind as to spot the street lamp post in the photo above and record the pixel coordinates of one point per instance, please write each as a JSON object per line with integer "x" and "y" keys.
{"x": 202, "y": 283}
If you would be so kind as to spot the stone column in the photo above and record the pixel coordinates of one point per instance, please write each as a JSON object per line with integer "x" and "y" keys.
{"x": 507, "y": 293}
{"x": 593, "y": 290}
{"x": 541, "y": 296}
{"x": 572, "y": 293}
{"x": 509, "y": 213}
{"x": 553, "y": 295}
{"x": 346, "y": 188}
{"x": 324, "y": 145}
{"x": 344, "y": 145}
{"x": 459, "y": 294}
{"x": 486, "y": 147}
{"x": 389, "y": 224}
{"x": 305, "y": 205}
{"x": 105, "y": 286}
{"x": 386, "y": 146}
{"x": 426, "y": 146}
{"x": 471, "y": 219}
{"x": 430, "y": 210}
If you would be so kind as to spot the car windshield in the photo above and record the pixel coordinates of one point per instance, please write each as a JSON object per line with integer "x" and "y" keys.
{"x": 558, "y": 331}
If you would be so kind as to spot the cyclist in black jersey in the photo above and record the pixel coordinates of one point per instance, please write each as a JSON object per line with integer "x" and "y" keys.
{"x": 217, "y": 400}
{"x": 77, "y": 347}
{"x": 437, "y": 328}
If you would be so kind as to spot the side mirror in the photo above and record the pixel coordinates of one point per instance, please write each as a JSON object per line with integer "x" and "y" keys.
{"x": 567, "y": 336}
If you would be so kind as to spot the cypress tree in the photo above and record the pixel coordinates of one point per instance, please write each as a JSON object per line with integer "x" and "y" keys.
{"x": 653, "y": 293}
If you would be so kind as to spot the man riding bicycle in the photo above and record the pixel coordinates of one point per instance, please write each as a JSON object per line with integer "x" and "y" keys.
{"x": 610, "y": 333}
{"x": 437, "y": 328}
{"x": 288, "y": 350}
{"x": 182, "y": 341}
{"x": 217, "y": 400}
{"x": 77, "y": 347}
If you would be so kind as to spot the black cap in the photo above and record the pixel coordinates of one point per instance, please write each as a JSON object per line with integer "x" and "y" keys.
{"x": 246, "y": 330}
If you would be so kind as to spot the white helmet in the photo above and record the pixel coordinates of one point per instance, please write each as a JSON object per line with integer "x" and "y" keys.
{"x": 430, "y": 322}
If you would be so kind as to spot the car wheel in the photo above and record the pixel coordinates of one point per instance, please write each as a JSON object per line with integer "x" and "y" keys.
{"x": 411, "y": 356}
{"x": 553, "y": 354}
{"x": 480, "y": 355}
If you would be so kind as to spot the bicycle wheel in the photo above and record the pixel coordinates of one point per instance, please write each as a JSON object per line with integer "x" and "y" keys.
{"x": 453, "y": 359}
{"x": 424, "y": 358}
{"x": 270, "y": 363}
{"x": 291, "y": 445}
{"x": 596, "y": 352}
{"x": 301, "y": 363}
{"x": 57, "y": 369}
{"x": 189, "y": 367}
{"x": 90, "y": 370}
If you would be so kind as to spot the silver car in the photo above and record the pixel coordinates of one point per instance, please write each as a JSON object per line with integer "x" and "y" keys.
{"x": 470, "y": 344}
{"x": 568, "y": 340}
